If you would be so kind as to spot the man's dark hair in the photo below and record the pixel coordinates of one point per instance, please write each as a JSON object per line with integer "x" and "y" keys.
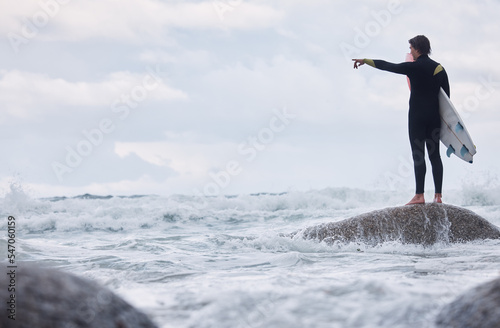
{"x": 421, "y": 43}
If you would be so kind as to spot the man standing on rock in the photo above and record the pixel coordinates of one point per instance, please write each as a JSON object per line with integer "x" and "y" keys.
{"x": 426, "y": 78}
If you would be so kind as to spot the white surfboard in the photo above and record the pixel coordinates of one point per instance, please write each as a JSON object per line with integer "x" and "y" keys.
{"x": 453, "y": 133}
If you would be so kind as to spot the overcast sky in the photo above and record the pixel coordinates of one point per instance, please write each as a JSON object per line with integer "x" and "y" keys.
{"x": 223, "y": 97}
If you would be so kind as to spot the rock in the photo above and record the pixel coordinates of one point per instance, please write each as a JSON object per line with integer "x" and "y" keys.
{"x": 423, "y": 224}
{"x": 477, "y": 308}
{"x": 49, "y": 298}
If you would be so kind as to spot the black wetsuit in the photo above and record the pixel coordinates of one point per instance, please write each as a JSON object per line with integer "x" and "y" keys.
{"x": 426, "y": 78}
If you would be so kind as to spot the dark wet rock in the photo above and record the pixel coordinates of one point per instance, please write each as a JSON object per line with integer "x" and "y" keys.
{"x": 423, "y": 224}
{"x": 477, "y": 308}
{"x": 49, "y": 298}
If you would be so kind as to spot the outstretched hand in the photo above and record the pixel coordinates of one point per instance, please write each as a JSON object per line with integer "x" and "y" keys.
{"x": 358, "y": 62}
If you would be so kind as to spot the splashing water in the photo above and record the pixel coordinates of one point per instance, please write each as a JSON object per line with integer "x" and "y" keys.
{"x": 227, "y": 262}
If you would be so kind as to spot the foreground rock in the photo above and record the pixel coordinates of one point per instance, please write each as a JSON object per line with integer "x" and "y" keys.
{"x": 478, "y": 308}
{"x": 47, "y": 298}
{"x": 417, "y": 224}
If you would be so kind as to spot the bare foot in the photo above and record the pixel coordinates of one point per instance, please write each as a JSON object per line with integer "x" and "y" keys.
{"x": 417, "y": 199}
{"x": 437, "y": 198}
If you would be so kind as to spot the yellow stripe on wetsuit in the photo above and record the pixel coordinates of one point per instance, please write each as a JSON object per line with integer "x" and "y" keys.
{"x": 438, "y": 69}
{"x": 369, "y": 62}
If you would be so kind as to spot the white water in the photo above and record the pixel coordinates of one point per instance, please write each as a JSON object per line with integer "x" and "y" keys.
{"x": 223, "y": 262}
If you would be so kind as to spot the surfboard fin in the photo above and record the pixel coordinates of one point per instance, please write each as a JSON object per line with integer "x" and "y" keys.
{"x": 459, "y": 127}
{"x": 450, "y": 151}
{"x": 464, "y": 151}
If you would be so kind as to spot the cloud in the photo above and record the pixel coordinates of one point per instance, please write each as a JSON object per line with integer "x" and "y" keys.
{"x": 27, "y": 95}
{"x": 186, "y": 158}
{"x": 228, "y": 64}
{"x": 12, "y": 14}
{"x": 135, "y": 20}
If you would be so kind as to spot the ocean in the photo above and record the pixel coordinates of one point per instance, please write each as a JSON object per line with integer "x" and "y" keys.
{"x": 229, "y": 261}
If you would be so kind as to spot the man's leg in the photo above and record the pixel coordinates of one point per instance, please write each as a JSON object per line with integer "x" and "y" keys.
{"x": 436, "y": 163}
{"x": 417, "y": 137}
